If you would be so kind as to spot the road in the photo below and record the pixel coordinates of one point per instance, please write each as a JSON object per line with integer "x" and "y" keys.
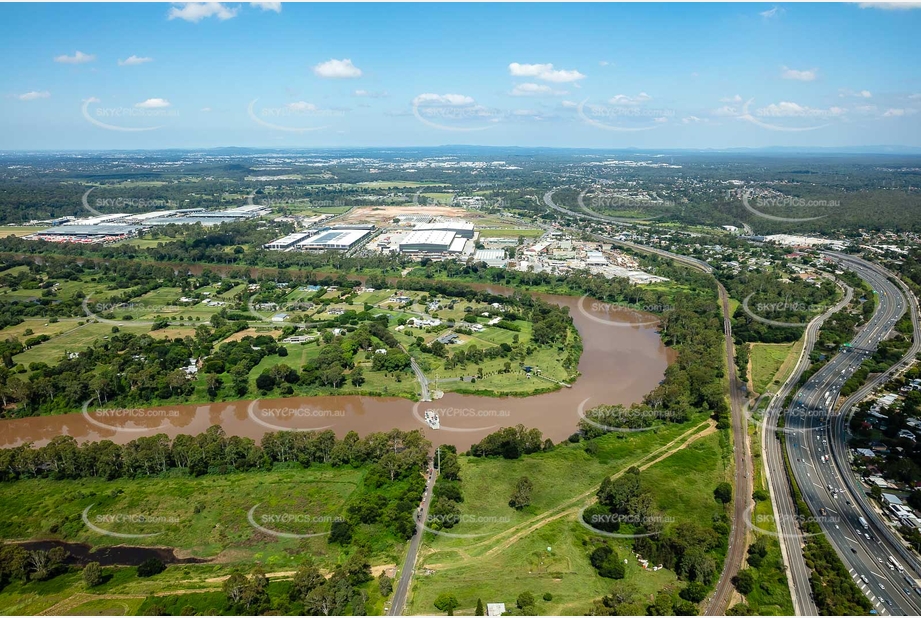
{"x": 785, "y": 514}
{"x": 808, "y": 424}
{"x": 420, "y": 375}
{"x": 742, "y": 488}
{"x": 398, "y": 602}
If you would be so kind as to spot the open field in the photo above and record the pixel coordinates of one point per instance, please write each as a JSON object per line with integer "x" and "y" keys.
{"x": 16, "y": 230}
{"x": 542, "y": 548}
{"x": 383, "y": 215}
{"x": 510, "y": 233}
{"x": 766, "y": 361}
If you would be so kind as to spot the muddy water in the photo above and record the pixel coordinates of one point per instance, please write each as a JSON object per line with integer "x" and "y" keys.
{"x": 623, "y": 359}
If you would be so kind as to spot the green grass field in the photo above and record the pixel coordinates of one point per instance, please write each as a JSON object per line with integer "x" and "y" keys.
{"x": 512, "y": 554}
{"x": 510, "y": 233}
{"x": 766, "y": 360}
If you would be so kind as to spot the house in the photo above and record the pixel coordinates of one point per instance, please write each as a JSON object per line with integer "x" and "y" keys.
{"x": 380, "y": 351}
{"x": 448, "y": 338}
{"x": 298, "y": 339}
{"x": 495, "y": 609}
{"x": 338, "y": 331}
{"x": 904, "y": 433}
{"x": 335, "y": 311}
{"x": 280, "y": 317}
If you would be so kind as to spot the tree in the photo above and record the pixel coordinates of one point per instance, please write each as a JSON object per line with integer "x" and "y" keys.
{"x": 235, "y": 588}
{"x": 525, "y": 602}
{"x": 744, "y": 581}
{"x": 695, "y": 592}
{"x": 92, "y": 574}
{"x": 357, "y": 377}
{"x": 446, "y": 602}
{"x": 479, "y": 608}
{"x": 151, "y": 567}
{"x": 522, "y": 494}
{"x": 306, "y": 579}
{"x": 385, "y": 584}
{"x": 723, "y": 493}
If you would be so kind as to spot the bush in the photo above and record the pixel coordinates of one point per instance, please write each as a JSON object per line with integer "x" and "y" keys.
{"x": 151, "y": 567}
{"x": 723, "y": 493}
{"x": 92, "y": 574}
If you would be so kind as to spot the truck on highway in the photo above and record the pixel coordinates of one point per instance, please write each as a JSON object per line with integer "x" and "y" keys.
{"x": 863, "y": 522}
{"x": 896, "y": 564}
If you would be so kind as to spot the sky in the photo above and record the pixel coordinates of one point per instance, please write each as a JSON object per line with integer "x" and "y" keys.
{"x": 280, "y": 75}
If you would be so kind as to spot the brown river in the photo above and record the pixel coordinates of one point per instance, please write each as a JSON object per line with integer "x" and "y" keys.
{"x": 623, "y": 359}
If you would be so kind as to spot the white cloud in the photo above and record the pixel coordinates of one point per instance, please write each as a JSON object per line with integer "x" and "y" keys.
{"x": 131, "y": 61}
{"x": 337, "y": 69}
{"x": 771, "y": 12}
{"x": 267, "y": 6}
{"x": 735, "y": 99}
{"x": 603, "y": 63}
{"x": 31, "y": 96}
{"x": 802, "y": 76}
{"x": 153, "y": 104}
{"x": 660, "y": 119}
{"x": 78, "y": 58}
{"x": 865, "y": 109}
{"x": 914, "y": 96}
{"x": 893, "y": 112}
{"x": 370, "y": 94}
{"x": 891, "y": 6}
{"x": 526, "y": 112}
{"x": 301, "y": 106}
{"x": 197, "y": 11}
{"x": 205, "y": 109}
{"x": 448, "y": 100}
{"x": 866, "y": 94}
{"x": 694, "y": 120}
{"x": 570, "y": 104}
{"x": 623, "y": 99}
{"x": 786, "y": 109}
{"x": 529, "y": 90}
{"x": 861, "y": 94}
{"x": 544, "y": 72}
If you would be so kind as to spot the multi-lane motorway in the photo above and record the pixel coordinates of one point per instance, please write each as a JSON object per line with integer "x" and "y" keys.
{"x": 872, "y": 559}
{"x": 785, "y": 513}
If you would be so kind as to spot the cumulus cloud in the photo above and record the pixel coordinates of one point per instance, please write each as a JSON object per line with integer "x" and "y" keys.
{"x": 771, "y": 12}
{"x": 530, "y": 89}
{"x": 603, "y": 63}
{"x": 205, "y": 109}
{"x": 131, "y": 61}
{"x": 569, "y": 104}
{"x": 544, "y": 72}
{"x": 35, "y": 94}
{"x": 78, "y": 58}
{"x": 802, "y": 76}
{"x": 337, "y": 69}
{"x": 153, "y": 104}
{"x": 860, "y": 94}
{"x": 197, "y": 11}
{"x": 789, "y": 109}
{"x": 726, "y": 110}
{"x": 267, "y": 6}
{"x": 735, "y": 99}
{"x": 623, "y": 99}
{"x": 694, "y": 120}
{"x": 447, "y": 100}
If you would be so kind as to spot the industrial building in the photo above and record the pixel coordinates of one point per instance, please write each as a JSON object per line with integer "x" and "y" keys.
{"x": 432, "y": 241}
{"x": 492, "y": 257}
{"x": 86, "y": 233}
{"x": 334, "y": 240}
{"x": 464, "y": 229}
{"x": 287, "y": 242}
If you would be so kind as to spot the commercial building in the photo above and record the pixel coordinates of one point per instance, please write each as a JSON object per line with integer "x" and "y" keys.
{"x": 430, "y": 241}
{"x": 334, "y": 240}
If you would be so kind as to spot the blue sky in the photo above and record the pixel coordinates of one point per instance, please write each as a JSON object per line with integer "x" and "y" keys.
{"x": 198, "y": 75}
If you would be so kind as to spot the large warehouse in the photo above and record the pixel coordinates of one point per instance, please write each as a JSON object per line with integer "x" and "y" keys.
{"x": 87, "y": 233}
{"x": 432, "y": 241}
{"x": 463, "y": 229}
{"x": 334, "y": 240}
{"x": 286, "y": 242}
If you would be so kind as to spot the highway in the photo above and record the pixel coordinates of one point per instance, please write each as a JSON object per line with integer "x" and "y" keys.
{"x": 808, "y": 420}
{"x": 785, "y": 514}
{"x": 398, "y": 602}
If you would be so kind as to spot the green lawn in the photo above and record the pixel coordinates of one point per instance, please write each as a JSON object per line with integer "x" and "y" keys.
{"x": 766, "y": 360}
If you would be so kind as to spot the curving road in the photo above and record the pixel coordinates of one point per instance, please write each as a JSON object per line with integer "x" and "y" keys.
{"x": 810, "y": 422}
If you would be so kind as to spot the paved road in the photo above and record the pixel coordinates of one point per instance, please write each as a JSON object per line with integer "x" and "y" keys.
{"x": 742, "y": 499}
{"x": 398, "y": 602}
{"x": 809, "y": 420}
{"x": 785, "y": 514}
{"x": 420, "y": 375}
